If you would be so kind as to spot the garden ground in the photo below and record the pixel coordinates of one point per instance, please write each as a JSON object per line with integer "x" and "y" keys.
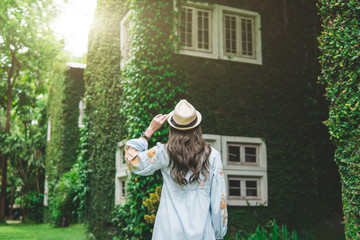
{"x": 28, "y": 231}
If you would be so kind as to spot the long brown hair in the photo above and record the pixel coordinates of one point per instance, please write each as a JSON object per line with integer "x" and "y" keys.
{"x": 188, "y": 152}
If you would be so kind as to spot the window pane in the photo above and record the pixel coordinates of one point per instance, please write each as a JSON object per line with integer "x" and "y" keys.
{"x": 235, "y": 192}
{"x": 234, "y": 187}
{"x": 230, "y": 34}
{"x": 251, "y": 188}
{"x": 123, "y": 189}
{"x": 247, "y": 41}
{"x": 203, "y": 29}
{"x": 250, "y": 154}
{"x": 186, "y": 27}
{"x": 234, "y": 153}
{"x": 234, "y": 183}
{"x": 251, "y": 192}
{"x": 251, "y": 184}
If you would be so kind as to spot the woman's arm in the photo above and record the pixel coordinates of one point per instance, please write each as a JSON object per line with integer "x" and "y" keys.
{"x": 155, "y": 124}
{"x": 138, "y": 158}
{"x": 219, "y": 215}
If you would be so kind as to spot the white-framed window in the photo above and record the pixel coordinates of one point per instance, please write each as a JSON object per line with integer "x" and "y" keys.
{"x": 121, "y": 176}
{"x": 243, "y": 187}
{"x": 219, "y": 32}
{"x": 81, "y": 113}
{"x": 125, "y": 26}
{"x": 195, "y": 29}
{"x": 242, "y": 154}
{"x": 245, "y": 168}
{"x": 241, "y": 35}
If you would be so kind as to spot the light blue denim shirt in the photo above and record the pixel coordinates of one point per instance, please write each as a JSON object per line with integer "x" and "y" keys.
{"x": 192, "y": 212}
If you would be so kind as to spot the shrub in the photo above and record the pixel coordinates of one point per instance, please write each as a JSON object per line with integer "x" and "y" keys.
{"x": 35, "y": 208}
{"x": 271, "y": 232}
{"x": 63, "y": 209}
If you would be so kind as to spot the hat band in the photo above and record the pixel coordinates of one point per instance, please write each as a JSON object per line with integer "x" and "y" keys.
{"x": 184, "y": 126}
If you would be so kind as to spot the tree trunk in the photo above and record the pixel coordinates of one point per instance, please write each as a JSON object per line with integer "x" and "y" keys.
{"x": 3, "y": 187}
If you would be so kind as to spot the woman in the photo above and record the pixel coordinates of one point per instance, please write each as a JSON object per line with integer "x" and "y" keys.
{"x": 193, "y": 197}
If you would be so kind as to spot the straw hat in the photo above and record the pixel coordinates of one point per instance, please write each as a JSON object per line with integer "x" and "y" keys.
{"x": 184, "y": 116}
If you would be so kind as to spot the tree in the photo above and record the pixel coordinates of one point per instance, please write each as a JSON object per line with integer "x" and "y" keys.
{"x": 27, "y": 51}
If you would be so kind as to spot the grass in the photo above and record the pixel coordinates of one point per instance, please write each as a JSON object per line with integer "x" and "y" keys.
{"x": 21, "y": 231}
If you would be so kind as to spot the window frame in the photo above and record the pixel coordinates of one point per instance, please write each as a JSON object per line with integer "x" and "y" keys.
{"x": 213, "y": 28}
{"x": 257, "y": 59}
{"x": 194, "y": 32}
{"x": 122, "y": 174}
{"x": 243, "y": 171}
{"x": 218, "y": 34}
{"x": 243, "y": 195}
{"x": 243, "y": 147}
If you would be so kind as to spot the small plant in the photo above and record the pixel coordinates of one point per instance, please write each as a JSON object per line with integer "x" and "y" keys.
{"x": 271, "y": 232}
{"x": 152, "y": 204}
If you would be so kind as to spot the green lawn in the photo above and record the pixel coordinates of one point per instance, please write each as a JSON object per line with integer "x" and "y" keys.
{"x": 22, "y": 231}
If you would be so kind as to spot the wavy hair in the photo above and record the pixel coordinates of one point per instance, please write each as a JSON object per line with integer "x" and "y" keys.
{"x": 188, "y": 152}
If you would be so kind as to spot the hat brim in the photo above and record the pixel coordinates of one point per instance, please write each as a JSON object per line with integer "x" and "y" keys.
{"x": 198, "y": 116}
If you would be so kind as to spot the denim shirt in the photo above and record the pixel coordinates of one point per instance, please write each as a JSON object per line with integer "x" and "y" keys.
{"x": 194, "y": 211}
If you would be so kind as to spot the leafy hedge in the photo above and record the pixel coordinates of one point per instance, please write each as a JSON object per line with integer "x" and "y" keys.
{"x": 102, "y": 100}
{"x": 65, "y": 91}
{"x": 151, "y": 85}
{"x": 340, "y": 61}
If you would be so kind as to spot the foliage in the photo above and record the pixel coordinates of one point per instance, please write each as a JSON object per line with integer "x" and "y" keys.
{"x": 28, "y": 50}
{"x": 271, "y": 232}
{"x": 152, "y": 204}
{"x": 25, "y": 147}
{"x": 102, "y": 100}
{"x": 81, "y": 185}
{"x": 62, "y": 204}
{"x": 34, "y": 202}
{"x": 340, "y": 60}
{"x": 65, "y": 91}
{"x": 151, "y": 85}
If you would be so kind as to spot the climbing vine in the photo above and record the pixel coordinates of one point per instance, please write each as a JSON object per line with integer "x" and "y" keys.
{"x": 340, "y": 61}
{"x": 102, "y": 100}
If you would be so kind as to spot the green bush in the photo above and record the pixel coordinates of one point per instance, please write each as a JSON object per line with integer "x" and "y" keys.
{"x": 63, "y": 208}
{"x": 270, "y": 232}
{"x": 340, "y": 61}
{"x": 35, "y": 208}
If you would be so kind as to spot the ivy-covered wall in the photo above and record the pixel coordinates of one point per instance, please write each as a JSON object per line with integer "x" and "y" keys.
{"x": 278, "y": 101}
{"x": 102, "y": 100}
{"x": 65, "y": 91}
{"x": 340, "y": 61}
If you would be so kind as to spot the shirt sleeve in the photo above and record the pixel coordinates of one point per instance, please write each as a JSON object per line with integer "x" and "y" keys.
{"x": 218, "y": 205}
{"x": 142, "y": 161}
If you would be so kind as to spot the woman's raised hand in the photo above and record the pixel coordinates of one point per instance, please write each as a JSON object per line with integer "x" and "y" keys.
{"x": 156, "y": 123}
